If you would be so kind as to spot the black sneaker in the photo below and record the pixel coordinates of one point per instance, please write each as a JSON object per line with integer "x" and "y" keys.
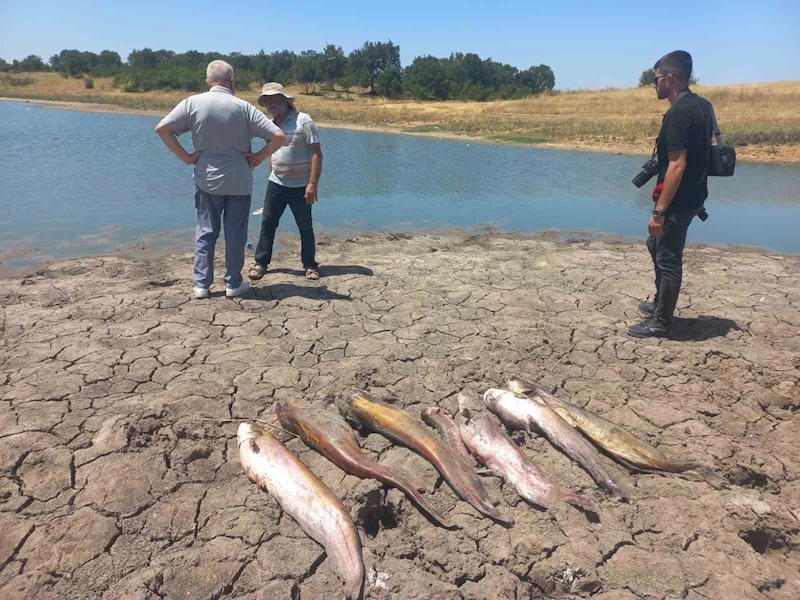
{"x": 648, "y": 328}
{"x": 647, "y": 308}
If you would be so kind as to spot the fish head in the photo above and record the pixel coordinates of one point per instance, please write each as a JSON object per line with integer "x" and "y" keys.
{"x": 492, "y": 396}
{"x": 291, "y": 413}
{"x": 469, "y": 405}
{"x": 283, "y": 412}
{"x": 521, "y": 385}
{"x": 466, "y": 430}
{"x": 247, "y": 432}
{"x": 525, "y": 385}
{"x": 430, "y": 413}
{"x": 347, "y": 404}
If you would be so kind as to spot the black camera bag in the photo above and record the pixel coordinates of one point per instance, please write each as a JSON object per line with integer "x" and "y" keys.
{"x": 722, "y": 160}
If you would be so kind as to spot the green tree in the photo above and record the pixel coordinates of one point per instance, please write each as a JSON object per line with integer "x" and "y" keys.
{"x": 646, "y": 78}
{"x": 281, "y": 67}
{"x": 142, "y": 59}
{"x": 373, "y": 59}
{"x": 390, "y": 83}
{"x": 4, "y": 66}
{"x": 308, "y": 70}
{"x": 74, "y": 63}
{"x": 425, "y": 79}
{"x": 109, "y": 59}
{"x": 239, "y": 62}
{"x": 537, "y": 79}
{"x": 32, "y": 64}
{"x": 334, "y": 64}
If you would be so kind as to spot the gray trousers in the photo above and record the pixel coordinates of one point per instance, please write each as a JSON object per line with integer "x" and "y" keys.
{"x": 213, "y": 213}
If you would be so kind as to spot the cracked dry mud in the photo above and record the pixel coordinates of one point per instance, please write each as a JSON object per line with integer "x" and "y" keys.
{"x": 114, "y": 487}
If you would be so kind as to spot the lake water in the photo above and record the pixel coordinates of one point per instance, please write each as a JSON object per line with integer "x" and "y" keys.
{"x": 85, "y": 183}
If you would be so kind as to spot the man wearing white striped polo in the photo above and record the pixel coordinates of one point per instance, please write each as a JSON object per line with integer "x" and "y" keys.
{"x": 296, "y": 168}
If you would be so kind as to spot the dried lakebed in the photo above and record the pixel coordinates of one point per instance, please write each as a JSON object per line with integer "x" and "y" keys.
{"x": 113, "y": 486}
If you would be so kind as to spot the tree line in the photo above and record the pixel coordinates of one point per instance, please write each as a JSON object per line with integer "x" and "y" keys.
{"x": 648, "y": 77}
{"x": 374, "y": 69}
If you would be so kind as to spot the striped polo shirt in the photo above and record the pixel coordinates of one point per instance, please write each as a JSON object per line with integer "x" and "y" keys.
{"x": 291, "y": 164}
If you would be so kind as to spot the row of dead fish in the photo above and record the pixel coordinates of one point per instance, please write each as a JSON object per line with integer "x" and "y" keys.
{"x": 476, "y": 434}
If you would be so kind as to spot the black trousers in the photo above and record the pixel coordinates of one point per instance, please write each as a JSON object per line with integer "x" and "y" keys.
{"x": 276, "y": 200}
{"x": 667, "y": 254}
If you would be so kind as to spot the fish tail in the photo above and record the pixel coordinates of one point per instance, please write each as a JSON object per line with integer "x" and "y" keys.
{"x": 613, "y": 487}
{"x": 371, "y": 469}
{"x": 492, "y": 511}
{"x": 480, "y": 502}
{"x": 714, "y": 480}
{"x": 606, "y": 481}
{"x": 708, "y": 475}
{"x": 696, "y": 471}
{"x": 415, "y": 497}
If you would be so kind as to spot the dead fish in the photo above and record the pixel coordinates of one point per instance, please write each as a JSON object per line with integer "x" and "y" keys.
{"x": 272, "y": 467}
{"x": 486, "y": 439}
{"x": 615, "y": 441}
{"x": 329, "y": 434}
{"x": 448, "y": 430}
{"x": 520, "y": 412}
{"x": 398, "y": 426}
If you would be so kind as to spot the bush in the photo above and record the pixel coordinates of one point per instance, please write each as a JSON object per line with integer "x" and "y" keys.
{"x": 15, "y": 81}
{"x": 88, "y": 83}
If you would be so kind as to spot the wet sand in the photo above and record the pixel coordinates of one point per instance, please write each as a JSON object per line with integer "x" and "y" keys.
{"x": 114, "y": 486}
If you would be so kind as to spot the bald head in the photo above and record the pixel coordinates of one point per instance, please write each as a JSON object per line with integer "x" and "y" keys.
{"x": 219, "y": 73}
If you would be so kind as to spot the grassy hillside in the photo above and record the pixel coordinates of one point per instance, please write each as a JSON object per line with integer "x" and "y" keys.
{"x": 762, "y": 119}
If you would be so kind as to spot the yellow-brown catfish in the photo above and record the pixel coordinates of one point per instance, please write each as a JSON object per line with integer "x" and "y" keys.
{"x": 621, "y": 445}
{"x": 329, "y": 434}
{"x": 398, "y": 426}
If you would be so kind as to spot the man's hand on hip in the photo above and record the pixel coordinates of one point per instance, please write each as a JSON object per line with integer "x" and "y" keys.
{"x": 192, "y": 158}
{"x": 656, "y": 226}
{"x": 311, "y": 193}
{"x": 254, "y": 159}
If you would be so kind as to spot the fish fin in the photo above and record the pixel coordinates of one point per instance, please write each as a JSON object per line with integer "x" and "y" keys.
{"x": 577, "y": 500}
{"x": 527, "y": 426}
{"x": 487, "y": 473}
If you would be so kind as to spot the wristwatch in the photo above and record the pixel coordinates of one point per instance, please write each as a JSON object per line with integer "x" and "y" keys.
{"x": 657, "y": 212}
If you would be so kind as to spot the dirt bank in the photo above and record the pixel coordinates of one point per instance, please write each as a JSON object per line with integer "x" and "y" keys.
{"x": 112, "y": 486}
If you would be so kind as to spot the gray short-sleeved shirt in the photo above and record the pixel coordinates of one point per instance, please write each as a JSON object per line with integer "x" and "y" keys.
{"x": 222, "y": 126}
{"x": 291, "y": 163}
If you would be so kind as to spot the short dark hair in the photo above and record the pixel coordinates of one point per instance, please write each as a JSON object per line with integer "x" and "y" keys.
{"x": 679, "y": 63}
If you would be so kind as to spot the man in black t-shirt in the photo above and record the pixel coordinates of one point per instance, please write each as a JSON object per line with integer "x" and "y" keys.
{"x": 683, "y": 149}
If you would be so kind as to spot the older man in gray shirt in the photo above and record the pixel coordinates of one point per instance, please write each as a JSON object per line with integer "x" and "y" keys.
{"x": 222, "y": 126}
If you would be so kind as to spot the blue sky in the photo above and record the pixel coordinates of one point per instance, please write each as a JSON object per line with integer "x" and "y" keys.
{"x": 588, "y": 44}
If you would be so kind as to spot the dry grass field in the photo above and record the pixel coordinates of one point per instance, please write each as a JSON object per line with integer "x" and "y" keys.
{"x": 761, "y": 119}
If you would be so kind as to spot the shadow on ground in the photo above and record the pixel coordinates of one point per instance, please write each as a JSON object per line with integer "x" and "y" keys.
{"x": 701, "y": 328}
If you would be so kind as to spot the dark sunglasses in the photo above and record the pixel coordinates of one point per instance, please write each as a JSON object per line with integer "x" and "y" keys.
{"x": 657, "y": 77}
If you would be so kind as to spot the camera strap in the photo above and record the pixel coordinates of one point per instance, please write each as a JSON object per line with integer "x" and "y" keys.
{"x": 717, "y": 135}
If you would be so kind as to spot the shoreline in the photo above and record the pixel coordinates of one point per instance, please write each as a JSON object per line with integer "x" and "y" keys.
{"x": 141, "y": 251}
{"x": 770, "y": 154}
